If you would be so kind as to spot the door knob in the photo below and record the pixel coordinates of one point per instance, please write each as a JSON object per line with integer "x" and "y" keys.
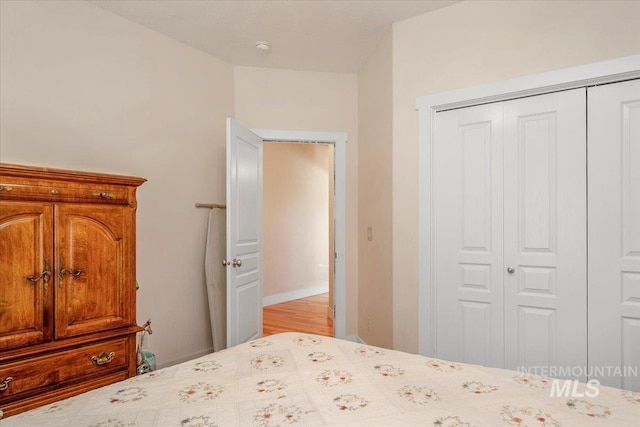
{"x": 511, "y": 270}
{"x": 236, "y": 263}
{"x": 225, "y": 263}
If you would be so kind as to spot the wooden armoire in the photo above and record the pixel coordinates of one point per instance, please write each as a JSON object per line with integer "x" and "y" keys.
{"x": 67, "y": 283}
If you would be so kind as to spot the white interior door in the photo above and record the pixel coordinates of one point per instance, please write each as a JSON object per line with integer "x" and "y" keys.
{"x": 545, "y": 247}
{"x": 614, "y": 233}
{"x": 467, "y": 202}
{"x": 509, "y": 209}
{"x": 244, "y": 234}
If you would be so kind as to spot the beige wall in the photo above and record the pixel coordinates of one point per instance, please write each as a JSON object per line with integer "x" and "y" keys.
{"x": 375, "y": 291}
{"x": 81, "y": 88}
{"x": 468, "y": 44}
{"x": 295, "y": 217}
{"x": 302, "y": 100}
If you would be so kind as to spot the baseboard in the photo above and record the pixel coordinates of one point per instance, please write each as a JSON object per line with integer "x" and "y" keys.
{"x": 290, "y": 296}
{"x": 330, "y": 314}
{"x": 354, "y": 338}
{"x": 184, "y": 358}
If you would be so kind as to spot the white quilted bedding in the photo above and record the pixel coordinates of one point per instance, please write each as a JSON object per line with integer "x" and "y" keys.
{"x": 295, "y": 379}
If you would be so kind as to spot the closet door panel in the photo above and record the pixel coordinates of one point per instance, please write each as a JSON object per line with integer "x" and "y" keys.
{"x": 614, "y": 233}
{"x": 468, "y": 235}
{"x": 545, "y": 231}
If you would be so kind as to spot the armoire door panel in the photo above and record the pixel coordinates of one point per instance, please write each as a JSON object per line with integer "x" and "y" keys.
{"x": 468, "y": 235}
{"x": 26, "y": 250}
{"x": 545, "y": 230}
{"x": 614, "y": 231}
{"x": 93, "y": 290}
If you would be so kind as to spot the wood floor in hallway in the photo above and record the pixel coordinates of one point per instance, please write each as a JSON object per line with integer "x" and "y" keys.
{"x": 307, "y": 315}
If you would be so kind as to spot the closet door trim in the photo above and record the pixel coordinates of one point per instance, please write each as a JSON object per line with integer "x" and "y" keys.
{"x": 611, "y": 71}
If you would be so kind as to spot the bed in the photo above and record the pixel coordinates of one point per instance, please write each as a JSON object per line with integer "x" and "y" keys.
{"x": 295, "y": 379}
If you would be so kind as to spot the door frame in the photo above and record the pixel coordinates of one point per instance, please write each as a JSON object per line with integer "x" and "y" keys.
{"x": 610, "y": 71}
{"x": 339, "y": 141}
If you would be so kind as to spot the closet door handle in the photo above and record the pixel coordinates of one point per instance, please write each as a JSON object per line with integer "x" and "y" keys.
{"x": 236, "y": 263}
{"x": 511, "y": 270}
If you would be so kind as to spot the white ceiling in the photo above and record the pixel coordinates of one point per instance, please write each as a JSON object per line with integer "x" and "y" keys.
{"x": 324, "y": 35}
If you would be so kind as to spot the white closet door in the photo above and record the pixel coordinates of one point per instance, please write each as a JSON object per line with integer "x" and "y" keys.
{"x": 614, "y": 234}
{"x": 468, "y": 235}
{"x": 545, "y": 275}
{"x": 510, "y": 232}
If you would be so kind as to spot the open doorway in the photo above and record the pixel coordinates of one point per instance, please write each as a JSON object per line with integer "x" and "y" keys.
{"x": 298, "y": 247}
{"x": 244, "y": 255}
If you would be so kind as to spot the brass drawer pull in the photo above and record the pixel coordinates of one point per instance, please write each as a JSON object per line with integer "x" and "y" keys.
{"x": 103, "y": 358}
{"x": 103, "y": 195}
{"x": 3, "y": 188}
{"x": 5, "y": 383}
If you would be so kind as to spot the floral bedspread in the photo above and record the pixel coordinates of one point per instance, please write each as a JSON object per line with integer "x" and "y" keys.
{"x": 294, "y": 379}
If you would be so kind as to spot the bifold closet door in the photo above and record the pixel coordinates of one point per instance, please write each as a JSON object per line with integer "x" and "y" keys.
{"x": 614, "y": 234}
{"x": 509, "y": 203}
{"x": 468, "y": 235}
{"x": 545, "y": 222}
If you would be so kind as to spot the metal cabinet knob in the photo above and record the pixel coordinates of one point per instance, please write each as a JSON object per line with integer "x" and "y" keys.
{"x": 225, "y": 263}
{"x": 511, "y": 270}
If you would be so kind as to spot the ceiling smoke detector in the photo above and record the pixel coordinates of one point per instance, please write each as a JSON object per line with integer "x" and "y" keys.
{"x": 263, "y": 47}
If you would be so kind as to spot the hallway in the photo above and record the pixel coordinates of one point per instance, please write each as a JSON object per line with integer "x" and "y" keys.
{"x": 308, "y": 315}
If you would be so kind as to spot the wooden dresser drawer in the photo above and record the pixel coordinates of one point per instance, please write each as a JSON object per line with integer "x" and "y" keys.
{"x": 65, "y": 366}
{"x": 62, "y": 193}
